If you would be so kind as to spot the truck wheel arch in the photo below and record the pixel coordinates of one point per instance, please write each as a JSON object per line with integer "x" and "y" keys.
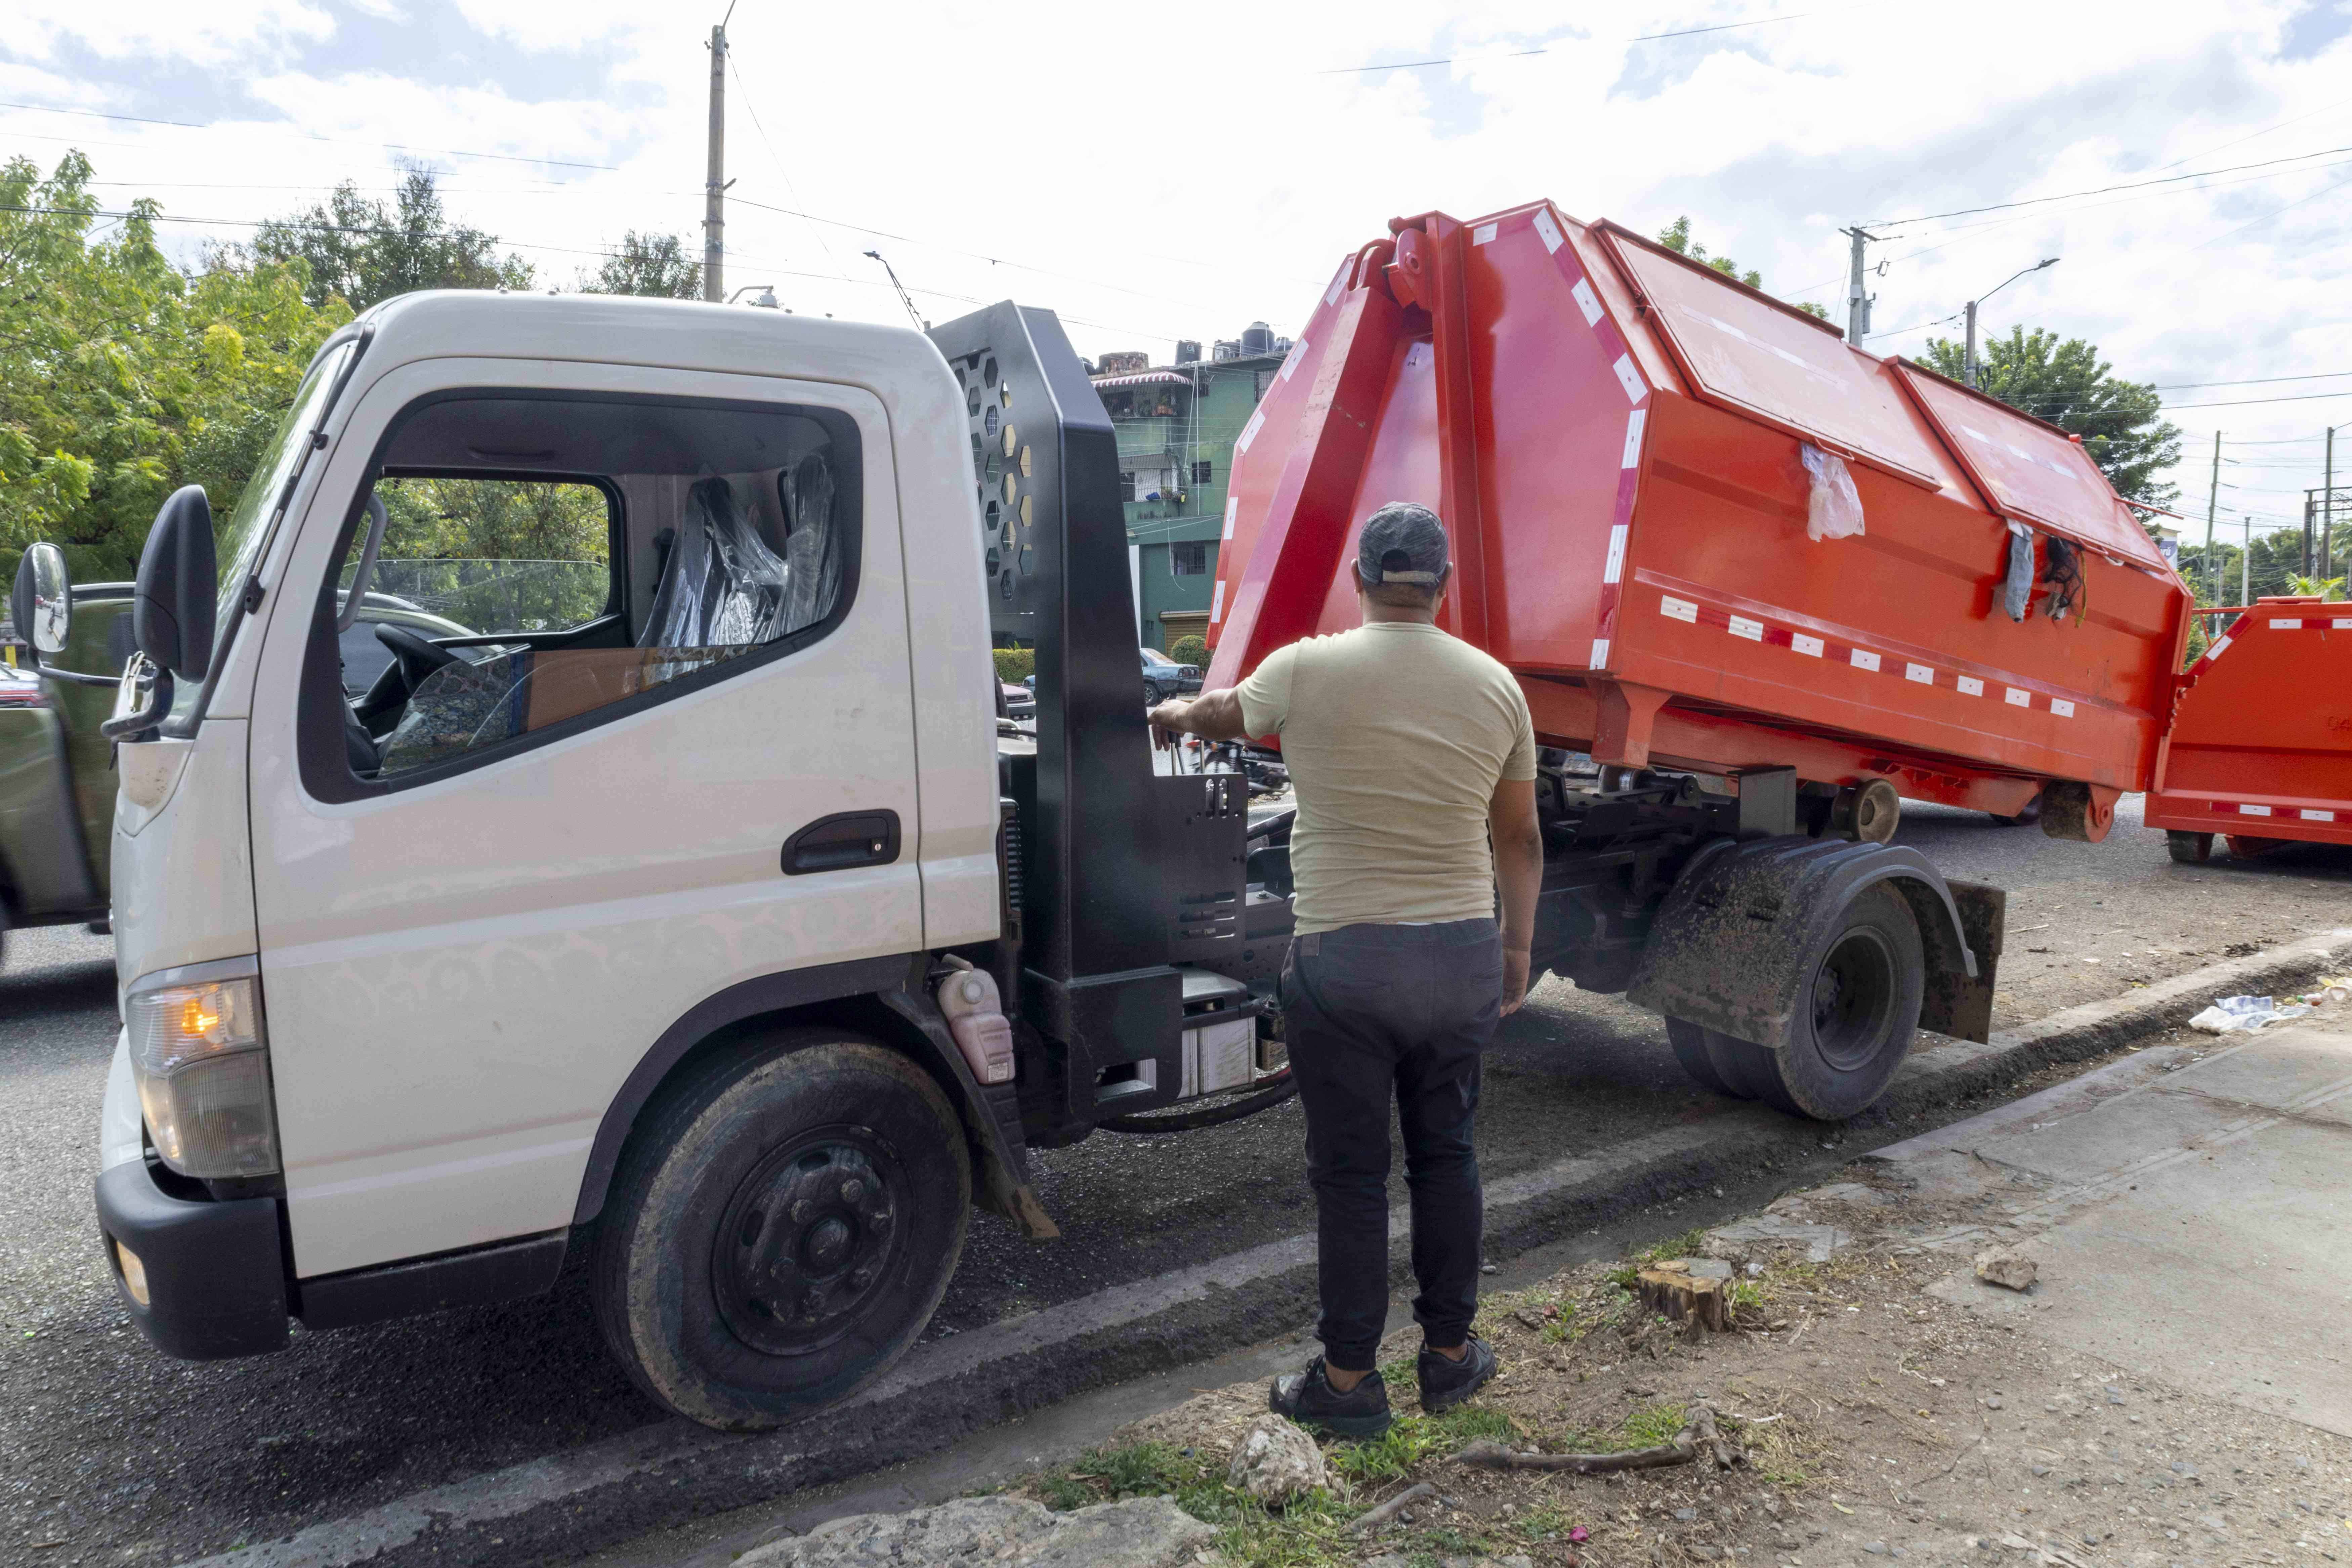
{"x": 880, "y": 996}
{"x": 1721, "y": 952}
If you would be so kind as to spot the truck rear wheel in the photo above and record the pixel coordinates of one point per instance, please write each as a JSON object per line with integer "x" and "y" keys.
{"x": 1856, "y": 1012}
{"x": 781, "y": 1229}
{"x": 1720, "y": 1064}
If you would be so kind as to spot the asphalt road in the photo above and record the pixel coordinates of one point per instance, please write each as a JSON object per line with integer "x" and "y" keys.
{"x": 117, "y": 1455}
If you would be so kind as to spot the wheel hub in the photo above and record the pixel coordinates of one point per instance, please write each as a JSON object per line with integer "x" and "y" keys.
{"x": 1854, "y": 991}
{"x": 806, "y": 1238}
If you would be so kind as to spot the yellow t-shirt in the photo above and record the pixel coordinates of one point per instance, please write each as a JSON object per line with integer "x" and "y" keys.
{"x": 1395, "y": 734}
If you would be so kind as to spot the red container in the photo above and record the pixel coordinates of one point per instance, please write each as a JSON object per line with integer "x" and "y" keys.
{"x": 1614, "y": 436}
{"x": 2260, "y": 747}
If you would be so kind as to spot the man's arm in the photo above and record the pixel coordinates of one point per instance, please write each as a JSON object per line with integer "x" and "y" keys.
{"x": 1518, "y": 872}
{"x": 1216, "y": 716}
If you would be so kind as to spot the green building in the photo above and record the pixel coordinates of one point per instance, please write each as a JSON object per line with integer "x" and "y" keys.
{"x": 1176, "y": 428}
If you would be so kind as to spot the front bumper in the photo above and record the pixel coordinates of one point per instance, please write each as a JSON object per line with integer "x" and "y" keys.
{"x": 212, "y": 1272}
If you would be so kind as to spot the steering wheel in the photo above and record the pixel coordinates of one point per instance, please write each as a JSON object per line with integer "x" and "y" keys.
{"x": 418, "y": 658}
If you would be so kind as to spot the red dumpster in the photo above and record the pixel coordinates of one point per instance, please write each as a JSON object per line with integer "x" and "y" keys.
{"x": 2261, "y": 746}
{"x": 1645, "y": 467}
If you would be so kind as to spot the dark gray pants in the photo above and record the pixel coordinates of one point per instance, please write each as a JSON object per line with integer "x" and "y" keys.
{"x": 1371, "y": 1014}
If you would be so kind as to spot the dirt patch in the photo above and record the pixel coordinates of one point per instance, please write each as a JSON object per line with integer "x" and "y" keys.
{"x": 2070, "y": 942}
{"x": 1874, "y": 1421}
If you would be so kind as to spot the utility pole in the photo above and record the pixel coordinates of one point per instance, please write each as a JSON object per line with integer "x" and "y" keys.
{"x": 1969, "y": 360}
{"x": 714, "y": 190}
{"x": 2212, "y": 498}
{"x": 1857, "y": 302}
{"x": 2246, "y": 563}
{"x": 2327, "y": 512}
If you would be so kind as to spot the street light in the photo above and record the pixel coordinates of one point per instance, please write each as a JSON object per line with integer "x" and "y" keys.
{"x": 767, "y": 300}
{"x": 1970, "y": 362}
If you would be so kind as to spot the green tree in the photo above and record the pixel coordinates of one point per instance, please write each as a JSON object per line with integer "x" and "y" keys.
{"x": 2069, "y": 386}
{"x": 1677, "y": 236}
{"x": 652, "y": 264}
{"x": 364, "y": 252}
{"x": 122, "y": 378}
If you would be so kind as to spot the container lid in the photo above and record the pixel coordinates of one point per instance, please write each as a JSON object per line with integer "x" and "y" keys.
{"x": 1746, "y": 350}
{"x": 2030, "y": 470}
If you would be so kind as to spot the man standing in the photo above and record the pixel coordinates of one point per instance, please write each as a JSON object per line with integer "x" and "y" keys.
{"x": 1408, "y": 751}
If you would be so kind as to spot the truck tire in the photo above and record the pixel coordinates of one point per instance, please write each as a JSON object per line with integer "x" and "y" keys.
{"x": 781, "y": 1229}
{"x": 1856, "y": 1013}
{"x": 1689, "y": 1042}
{"x": 2188, "y": 849}
{"x": 1718, "y": 1063}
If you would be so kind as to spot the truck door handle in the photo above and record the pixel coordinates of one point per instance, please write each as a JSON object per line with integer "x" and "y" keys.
{"x": 845, "y": 839}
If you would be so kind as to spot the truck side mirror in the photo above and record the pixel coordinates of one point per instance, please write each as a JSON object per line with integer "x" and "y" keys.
{"x": 41, "y": 603}
{"x": 172, "y": 607}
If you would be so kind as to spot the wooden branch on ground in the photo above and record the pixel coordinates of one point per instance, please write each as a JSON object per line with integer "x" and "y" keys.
{"x": 1488, "y": 1456}
{"x": 1373, "y": 1519}
{"x": 1699, "y": 1435}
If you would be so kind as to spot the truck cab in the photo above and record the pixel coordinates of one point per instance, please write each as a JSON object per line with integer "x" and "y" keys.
{"x": 626, "y": 920}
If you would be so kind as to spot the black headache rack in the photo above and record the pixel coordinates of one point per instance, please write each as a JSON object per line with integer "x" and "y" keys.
{"x": 1122, "y": 872}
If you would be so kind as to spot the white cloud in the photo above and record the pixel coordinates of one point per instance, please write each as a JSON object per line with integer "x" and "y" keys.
{"x": 1159, "y": 173}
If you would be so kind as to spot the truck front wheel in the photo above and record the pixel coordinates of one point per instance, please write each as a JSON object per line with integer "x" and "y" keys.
{"x": 781, "y": 1229}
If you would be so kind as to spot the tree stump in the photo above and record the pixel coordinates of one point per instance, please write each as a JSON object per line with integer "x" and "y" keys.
{"x": 1700, "y": 1300}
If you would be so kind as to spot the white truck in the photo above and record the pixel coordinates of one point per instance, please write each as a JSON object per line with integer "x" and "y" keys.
{"x": 696, "y": 907}
{"x": 666, "y": 914}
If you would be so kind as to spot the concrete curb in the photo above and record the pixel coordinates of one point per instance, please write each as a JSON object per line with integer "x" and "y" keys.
{"x": 947, "y": 1389}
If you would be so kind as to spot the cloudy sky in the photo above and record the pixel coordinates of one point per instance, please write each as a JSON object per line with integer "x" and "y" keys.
{"x": 1154, "y": 172}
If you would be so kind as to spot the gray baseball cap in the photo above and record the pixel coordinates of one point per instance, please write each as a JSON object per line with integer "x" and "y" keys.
{"x": 1403, "y": 543}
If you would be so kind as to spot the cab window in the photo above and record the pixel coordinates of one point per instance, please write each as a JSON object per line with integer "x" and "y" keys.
{"x": 547, "y": 563}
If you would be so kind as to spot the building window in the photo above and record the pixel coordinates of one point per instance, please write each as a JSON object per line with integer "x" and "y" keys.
{"x": 1127, "y": 487}
{"x": 1189, "y": 560}
{"x": 1202, "y": 472}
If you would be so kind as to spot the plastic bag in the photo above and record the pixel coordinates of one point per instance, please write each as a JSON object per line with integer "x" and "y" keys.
{"x": 2017, "y": 589}
{"x": 812, "y": 547}
{"x": 1834, "y": 509}
{"x": 2243, "y": 1014}
{"x": 721, "y": 587}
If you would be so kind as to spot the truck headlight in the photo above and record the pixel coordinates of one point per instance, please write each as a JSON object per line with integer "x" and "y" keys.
{"x": 201, "y": 1060}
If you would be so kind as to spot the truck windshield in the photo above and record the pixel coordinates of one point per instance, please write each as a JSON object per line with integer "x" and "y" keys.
{"x": 240, "y": 542}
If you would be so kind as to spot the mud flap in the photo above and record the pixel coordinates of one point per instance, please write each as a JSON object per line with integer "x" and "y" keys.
{"x": 1955, "y": 1002}
{"x": 1729, "y": 946}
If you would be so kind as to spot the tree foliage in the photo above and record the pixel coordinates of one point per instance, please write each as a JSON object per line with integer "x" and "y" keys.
{"x": 121, "y": 378}
{"x": 650, "y": 264}
{"x": 1677, "y": 236}
{"x": 364, "y": 252}
{"x": 2069, "y": 386}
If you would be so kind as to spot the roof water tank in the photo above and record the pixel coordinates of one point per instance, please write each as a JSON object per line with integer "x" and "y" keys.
{"x": 1257, "y": 338}
{"x": 1187, "y": 352}
{"x": 1228, "y": 350}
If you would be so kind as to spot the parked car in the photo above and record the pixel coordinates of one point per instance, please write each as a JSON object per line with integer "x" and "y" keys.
{"x": 1020, "y": 701}
{"x": 1163, "y": 677}
{"x": 57, "y": 772}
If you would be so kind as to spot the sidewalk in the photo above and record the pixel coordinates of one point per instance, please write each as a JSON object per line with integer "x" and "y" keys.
{"x": 2173, "y": 1391}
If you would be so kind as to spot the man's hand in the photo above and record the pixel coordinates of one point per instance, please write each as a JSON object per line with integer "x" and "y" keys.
{"x": 1213, "y": 716}
{"x": 1515, "y": 980}
{"x": 1518, "y": 877}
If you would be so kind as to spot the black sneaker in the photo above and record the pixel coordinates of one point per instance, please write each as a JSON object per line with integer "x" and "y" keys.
{"x": 1308, "y": 1398}
{"x": 1446, "y": 1383}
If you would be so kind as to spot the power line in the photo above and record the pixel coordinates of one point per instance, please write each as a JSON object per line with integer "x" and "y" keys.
{"x": 2105, "y": 190}
{"x": 309, "y": 136}
{"x": 773, "y": 157}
